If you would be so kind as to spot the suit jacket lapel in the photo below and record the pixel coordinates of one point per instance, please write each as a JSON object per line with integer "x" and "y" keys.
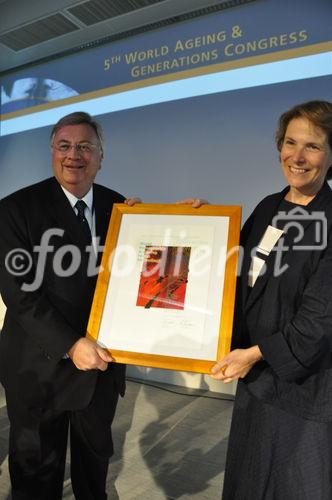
{"x": 256, "y": 235}
{"x": 64, "y": 214}
{"x": 102, "y": 217}
{"x": 285, "y": 256}
{"x": 65, "y": 217}
{"x": 102, "y": 213}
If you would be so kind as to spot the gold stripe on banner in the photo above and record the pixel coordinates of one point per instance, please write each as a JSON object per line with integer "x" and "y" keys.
{"x": 180, "y": 75}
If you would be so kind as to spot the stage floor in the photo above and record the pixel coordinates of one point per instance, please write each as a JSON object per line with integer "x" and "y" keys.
{"x": 170, "y": 443}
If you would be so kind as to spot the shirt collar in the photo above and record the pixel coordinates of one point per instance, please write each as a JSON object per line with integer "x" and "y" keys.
{"x": 88, "y": 198}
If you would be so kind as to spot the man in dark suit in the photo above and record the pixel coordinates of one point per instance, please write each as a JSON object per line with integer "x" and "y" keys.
{"x": 54, "y": 377}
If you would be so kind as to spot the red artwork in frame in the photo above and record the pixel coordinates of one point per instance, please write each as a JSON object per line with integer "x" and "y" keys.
{"x": 164, "y": 277}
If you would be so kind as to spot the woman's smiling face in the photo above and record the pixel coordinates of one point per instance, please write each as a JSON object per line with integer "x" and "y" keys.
{"x": 305, "y": 157}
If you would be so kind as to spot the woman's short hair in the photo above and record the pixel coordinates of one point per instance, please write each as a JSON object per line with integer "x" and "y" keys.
{"x": 79, "y": 118}
{"x": 317, "y": 112}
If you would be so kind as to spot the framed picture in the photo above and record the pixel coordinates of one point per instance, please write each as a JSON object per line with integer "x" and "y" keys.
{"x": 166, "y": 288}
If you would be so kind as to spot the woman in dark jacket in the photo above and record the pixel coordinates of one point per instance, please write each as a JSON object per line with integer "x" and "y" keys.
{"x": 280, "y": 444}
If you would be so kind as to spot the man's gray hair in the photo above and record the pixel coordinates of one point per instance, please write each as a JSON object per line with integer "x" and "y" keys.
{"x": 78, "y": 118}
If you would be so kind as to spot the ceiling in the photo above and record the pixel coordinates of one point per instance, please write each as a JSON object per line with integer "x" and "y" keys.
{"x": 33, "y": 30}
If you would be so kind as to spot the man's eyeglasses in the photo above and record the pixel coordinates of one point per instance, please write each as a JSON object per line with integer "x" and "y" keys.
{"x": 81, "y": 147}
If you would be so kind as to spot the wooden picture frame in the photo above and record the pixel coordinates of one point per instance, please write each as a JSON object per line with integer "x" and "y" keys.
{"x": 166, "y": 289}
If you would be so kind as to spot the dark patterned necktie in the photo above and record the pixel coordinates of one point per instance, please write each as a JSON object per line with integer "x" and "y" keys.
{"x": 81, "y": 206}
